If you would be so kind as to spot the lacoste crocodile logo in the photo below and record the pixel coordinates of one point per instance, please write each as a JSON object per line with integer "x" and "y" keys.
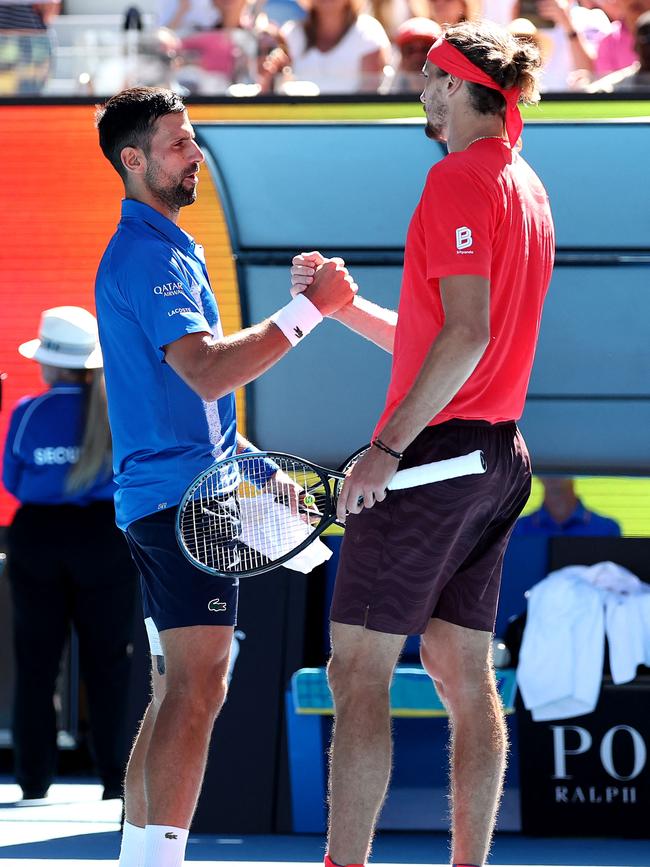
{"x": 216, "y": 605}
{"x": 298, "y": 332}
{"x": 171, "y": 836}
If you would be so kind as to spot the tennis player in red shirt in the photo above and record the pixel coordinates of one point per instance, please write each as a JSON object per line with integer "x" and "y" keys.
{"x": 477, "y": 265}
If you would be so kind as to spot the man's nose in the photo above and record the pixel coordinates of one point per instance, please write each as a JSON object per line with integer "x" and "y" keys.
{"x": 200, "y": 156}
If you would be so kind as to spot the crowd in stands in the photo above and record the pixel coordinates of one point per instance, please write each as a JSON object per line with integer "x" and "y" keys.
{"x": 306, "y": 47}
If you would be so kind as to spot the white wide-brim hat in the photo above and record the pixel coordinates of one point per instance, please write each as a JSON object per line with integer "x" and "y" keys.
{"x": 67, "y": 337}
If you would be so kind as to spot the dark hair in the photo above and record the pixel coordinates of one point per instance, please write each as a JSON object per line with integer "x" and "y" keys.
{"x": 128, "y": 120}
{"x": 508, "y": 60}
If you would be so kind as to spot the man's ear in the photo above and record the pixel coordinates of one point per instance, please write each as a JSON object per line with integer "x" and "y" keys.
{"x": 133, "y": 160}
{"x": 454, "y": 84}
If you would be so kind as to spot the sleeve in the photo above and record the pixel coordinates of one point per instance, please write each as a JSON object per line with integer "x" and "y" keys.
{"x": 458, "y": 224}
{"x": 12, "y": 465}
{"x": 164, "y": 297}
{"x": 371, "y": 35}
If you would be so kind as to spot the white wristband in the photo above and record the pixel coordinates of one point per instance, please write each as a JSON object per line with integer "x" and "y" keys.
{"x": 297, "y": 319}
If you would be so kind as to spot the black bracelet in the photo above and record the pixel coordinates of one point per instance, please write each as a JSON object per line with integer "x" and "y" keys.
{"x": 389, "y": 451}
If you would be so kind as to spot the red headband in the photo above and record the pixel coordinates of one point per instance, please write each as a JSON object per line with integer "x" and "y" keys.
{"x": 446, "y": 56}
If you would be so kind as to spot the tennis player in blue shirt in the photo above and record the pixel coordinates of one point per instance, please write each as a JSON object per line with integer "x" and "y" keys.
{"x": 171, "y": 377}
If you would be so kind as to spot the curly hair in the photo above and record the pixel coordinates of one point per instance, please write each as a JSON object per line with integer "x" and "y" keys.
{"x": 508, "y": 60}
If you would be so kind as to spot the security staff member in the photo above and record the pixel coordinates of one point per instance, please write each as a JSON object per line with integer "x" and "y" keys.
{"x": 67, "y": 562}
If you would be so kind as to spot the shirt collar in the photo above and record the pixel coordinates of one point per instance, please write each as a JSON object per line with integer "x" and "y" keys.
{"x": 579, "y": 516}
{"x": 134, "y": 210}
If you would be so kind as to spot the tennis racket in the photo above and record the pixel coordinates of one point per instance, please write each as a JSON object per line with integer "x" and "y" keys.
{"x": 251, "y": 512}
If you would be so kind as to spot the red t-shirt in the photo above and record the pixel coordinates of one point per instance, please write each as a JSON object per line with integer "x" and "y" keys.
{"x": 483, "y": 212}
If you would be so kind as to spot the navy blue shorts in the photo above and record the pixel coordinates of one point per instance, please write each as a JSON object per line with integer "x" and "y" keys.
{"x": 174, "y": 592}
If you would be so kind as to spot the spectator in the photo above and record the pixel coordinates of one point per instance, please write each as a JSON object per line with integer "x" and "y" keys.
{"x": 337, "y": 47}
{"x": 616, "y": 51}
{"x": 524, "y": 29}
{"x": 392, "y": 13}
{"x": 572, "y": 33}
{"x": 25, "y": 46}
{"x": 273, "y": 64}
{"x": 225, "y": 54}
{"x": 453, "y": 11}
{"x": 154, "y": 60}
{"x": 636, "y": 76}
{"x": 414, "y": 38}
{"x": 67, "y": 561}
{"x": 185, "y": 16}
{"x": 498, "y": 11}
{"x": 563, "y": 514}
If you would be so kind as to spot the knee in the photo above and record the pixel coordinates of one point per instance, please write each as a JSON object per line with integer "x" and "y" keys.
{"x": 202, "y": 692}
{"x": 434, "y": 664}
{"x": 351, "y": 681}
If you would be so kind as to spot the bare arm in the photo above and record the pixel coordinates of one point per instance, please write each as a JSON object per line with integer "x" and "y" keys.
{"x": 453, "y": 357}
{"x": 371, "y": 321}
{"x": 213, "y": 367}
{"x": 582, "y": 56}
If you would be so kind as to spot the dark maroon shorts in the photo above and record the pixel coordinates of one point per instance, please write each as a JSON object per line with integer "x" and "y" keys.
{"x": 436, "y": 550}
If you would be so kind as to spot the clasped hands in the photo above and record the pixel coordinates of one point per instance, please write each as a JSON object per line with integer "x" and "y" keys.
{"x": 328, "y": 279}
{"x": 325, "y": 282}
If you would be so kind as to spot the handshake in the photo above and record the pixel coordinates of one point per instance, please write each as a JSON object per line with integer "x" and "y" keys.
{"x": 325, "y": 282}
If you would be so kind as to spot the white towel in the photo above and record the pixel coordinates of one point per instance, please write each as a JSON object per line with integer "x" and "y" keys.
{"x": 273, "y": 545}
{"x": 562, "y": 652}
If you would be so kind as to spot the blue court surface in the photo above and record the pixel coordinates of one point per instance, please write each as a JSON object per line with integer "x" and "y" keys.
{"x": 73, "y": 827}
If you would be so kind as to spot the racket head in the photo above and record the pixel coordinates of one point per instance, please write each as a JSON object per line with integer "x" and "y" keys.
{"x": 242, "y": 516}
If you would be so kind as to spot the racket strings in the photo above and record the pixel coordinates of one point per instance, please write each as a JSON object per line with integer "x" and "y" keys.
{"x": 251, "y": 510}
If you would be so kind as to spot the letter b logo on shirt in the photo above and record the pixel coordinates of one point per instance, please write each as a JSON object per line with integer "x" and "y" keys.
{"x": 463, "y": 238}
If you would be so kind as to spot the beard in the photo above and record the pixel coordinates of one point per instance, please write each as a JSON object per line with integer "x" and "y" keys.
{"x": 172, "y": 193}
{"x": 435, "y": 132}
{"x": 436, "y": 125}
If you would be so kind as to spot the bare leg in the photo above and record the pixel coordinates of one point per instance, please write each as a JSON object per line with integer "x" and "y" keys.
{"x": 460, "y": 662}
{"x": 360, "y": 672}
{"x": 135, "y": 802}
{"x": 196, "y": 663}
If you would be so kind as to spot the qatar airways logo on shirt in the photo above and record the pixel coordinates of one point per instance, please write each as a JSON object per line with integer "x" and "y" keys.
{"x": 464, "y": 240}
{"x": 169, "y": 289}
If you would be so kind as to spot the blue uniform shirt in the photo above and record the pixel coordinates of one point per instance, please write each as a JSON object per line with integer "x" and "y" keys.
{"x": 152, "y": 288}
{"x": 43, "y": 444}
{"x": 581, "y": 523}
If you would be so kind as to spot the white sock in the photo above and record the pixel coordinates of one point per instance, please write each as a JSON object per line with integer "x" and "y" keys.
{"x": 164, "y": 846}
{"x": 132, "y": 850}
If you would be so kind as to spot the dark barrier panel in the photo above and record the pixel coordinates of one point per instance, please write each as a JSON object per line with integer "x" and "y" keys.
{"x": 590, "y": 774}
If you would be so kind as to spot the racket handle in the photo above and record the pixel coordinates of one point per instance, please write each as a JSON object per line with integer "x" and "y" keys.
{"x": 464, "y": 465}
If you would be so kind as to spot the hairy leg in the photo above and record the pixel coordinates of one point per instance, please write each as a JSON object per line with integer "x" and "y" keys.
{"x": 360, "y": 671}
{"x": 459, "y": 660}
{"x": 135, "y": 802}
{"x": 196, "y": 669}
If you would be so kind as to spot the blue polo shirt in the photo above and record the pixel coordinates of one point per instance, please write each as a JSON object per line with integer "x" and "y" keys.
{"x": 42, "y": 446}
{"x": 581, "y": 523}
{"x": 152, "y": 288}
